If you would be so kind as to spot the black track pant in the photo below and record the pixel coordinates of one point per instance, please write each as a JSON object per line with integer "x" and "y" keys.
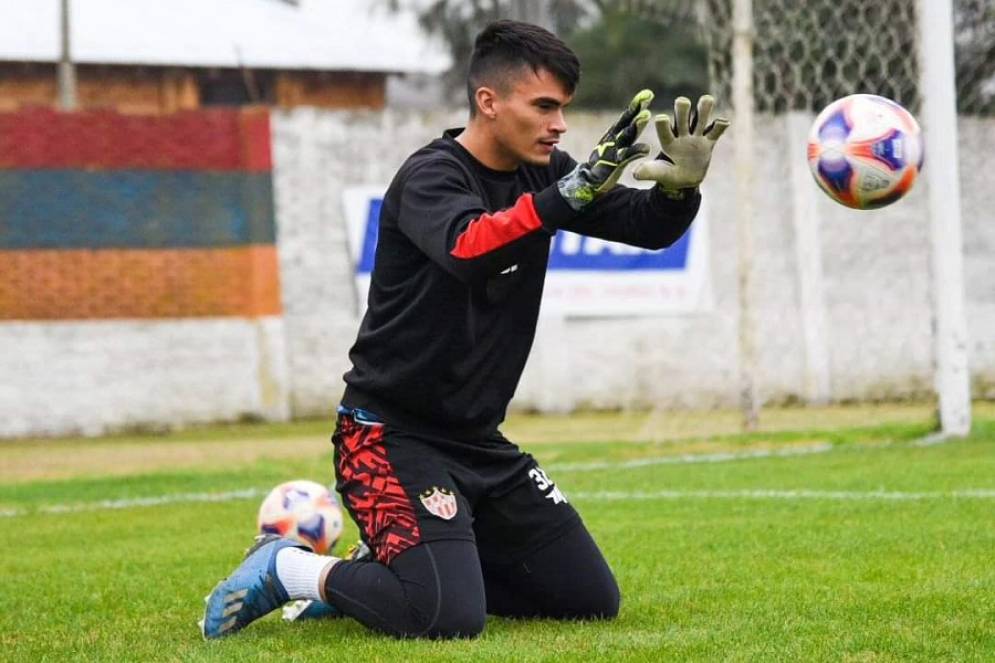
{"x": 441, "y": 590}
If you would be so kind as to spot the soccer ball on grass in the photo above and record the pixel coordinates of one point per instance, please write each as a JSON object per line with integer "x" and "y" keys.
{"x": 865, "y": 151}
{"x": 302, "y": 510}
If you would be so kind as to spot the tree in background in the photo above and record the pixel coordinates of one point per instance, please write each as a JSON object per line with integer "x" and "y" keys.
{"x": 624, "y": 51}
{"x": 623, "y": 45}
{"x": 810, "y": 54}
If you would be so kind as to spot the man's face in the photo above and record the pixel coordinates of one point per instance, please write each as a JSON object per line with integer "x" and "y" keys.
{"x": 528, "y": 118}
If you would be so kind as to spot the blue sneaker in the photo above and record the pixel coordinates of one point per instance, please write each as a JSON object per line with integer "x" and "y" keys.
{"x": 305, "y": 609}
{"x": 252, "y": 591}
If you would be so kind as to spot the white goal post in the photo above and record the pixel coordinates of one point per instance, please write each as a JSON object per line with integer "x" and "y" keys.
{"x": 939, "y": 118}
{"x": 757, "y": 41}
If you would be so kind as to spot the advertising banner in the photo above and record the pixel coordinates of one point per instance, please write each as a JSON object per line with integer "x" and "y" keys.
{"x": 587, "y": 276}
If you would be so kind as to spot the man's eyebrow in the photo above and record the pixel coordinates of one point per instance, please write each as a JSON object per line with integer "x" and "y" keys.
{"x": 547, "y": 100}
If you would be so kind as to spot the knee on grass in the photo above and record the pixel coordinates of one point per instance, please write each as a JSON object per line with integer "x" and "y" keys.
{"x": 440, "y": 622}
{"x": 427, "y": 614}
{"x": 457, "y": 624}
{"x": 600, "y": 600}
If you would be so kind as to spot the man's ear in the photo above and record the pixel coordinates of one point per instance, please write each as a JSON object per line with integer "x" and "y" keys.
{"x": 485, "y": 98}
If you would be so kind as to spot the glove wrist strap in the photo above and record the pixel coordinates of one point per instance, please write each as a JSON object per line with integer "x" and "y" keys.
{"x": 678, "y": 194}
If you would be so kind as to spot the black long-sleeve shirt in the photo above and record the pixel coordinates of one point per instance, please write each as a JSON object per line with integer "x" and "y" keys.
{"x": 458, "y": 277}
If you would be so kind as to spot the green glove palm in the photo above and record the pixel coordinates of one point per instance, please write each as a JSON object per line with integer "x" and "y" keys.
{"x": 616, "y": 150}
{"x": 686, "y": 150}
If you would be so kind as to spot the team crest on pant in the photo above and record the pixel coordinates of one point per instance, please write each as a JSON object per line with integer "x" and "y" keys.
{"x": 439, "y": 502}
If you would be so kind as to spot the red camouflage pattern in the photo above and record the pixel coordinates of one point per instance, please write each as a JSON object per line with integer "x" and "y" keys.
{"x": 376, "y": 498}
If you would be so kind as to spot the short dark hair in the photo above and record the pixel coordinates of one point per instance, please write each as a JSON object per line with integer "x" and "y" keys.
{"x": 505, "y": 46}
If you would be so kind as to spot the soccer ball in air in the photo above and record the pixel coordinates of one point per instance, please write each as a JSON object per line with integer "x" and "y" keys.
{"x": 302, "y": 510}
{"x": 865, "y": 151}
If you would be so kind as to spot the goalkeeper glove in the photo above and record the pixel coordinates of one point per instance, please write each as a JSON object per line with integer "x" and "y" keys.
{"x": 616, "y": 150}
{"x": 686, "y": 148}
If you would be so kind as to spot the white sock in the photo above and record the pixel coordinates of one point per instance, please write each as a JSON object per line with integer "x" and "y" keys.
{"x": 301, "y": 572}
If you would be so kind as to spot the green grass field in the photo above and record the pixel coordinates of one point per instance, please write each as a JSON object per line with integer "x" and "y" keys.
{"x": 833, "y": 535}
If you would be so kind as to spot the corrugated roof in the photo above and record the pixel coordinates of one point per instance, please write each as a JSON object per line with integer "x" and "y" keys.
{"x": 333, "y": 35}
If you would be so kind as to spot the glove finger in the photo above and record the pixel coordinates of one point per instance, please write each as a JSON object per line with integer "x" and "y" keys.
{"x": 664, "y": 130}
{"x": 642, "y": 120}
{"x": 717, "y": 129}
{"x": 624, "y": 119}
{"x": 630, "y": 133}
{"x": 640, "y": 102}
{"x": 682, "y": 113}
{"x": 636, "y": 151}
{"x": 704, "y": 115}
{"x": 655, "y": 170}
{"x": 626, "y": 136}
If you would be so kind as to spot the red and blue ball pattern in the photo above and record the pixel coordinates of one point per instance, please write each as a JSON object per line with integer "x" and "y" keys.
{"x": 303, "y": 510}
{"x": 865, "y": 151}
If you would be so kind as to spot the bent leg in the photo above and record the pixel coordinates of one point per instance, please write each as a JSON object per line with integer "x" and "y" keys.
{"x": 432, "y": 590}
{"x": 537, "y": 557}
{"x": 565, "y": 579}
{"x": 426, "y": 581}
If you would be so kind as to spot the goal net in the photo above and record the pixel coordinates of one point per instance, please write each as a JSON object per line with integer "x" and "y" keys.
{"x": 836, "y": 305}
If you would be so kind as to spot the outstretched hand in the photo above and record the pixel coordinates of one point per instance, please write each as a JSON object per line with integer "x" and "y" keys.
{"x": 616, "y": 150}
{"x": 686, "y": 146}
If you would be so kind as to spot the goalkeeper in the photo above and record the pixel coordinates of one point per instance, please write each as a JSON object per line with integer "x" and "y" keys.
{"x": 459, "y": 522}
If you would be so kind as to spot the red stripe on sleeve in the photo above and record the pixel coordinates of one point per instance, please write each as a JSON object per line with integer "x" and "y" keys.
{"x": 492, "y": 231}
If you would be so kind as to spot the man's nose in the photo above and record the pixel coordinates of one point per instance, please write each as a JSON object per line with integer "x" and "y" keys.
{"x": 559, "y": 123}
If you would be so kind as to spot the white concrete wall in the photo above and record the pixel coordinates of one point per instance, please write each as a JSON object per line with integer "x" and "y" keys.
{"x": 91, "y": 377}
{"x": 875, "y": 279}
{"x": 61, "y": 378}
{"x": 317, "y": 154}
